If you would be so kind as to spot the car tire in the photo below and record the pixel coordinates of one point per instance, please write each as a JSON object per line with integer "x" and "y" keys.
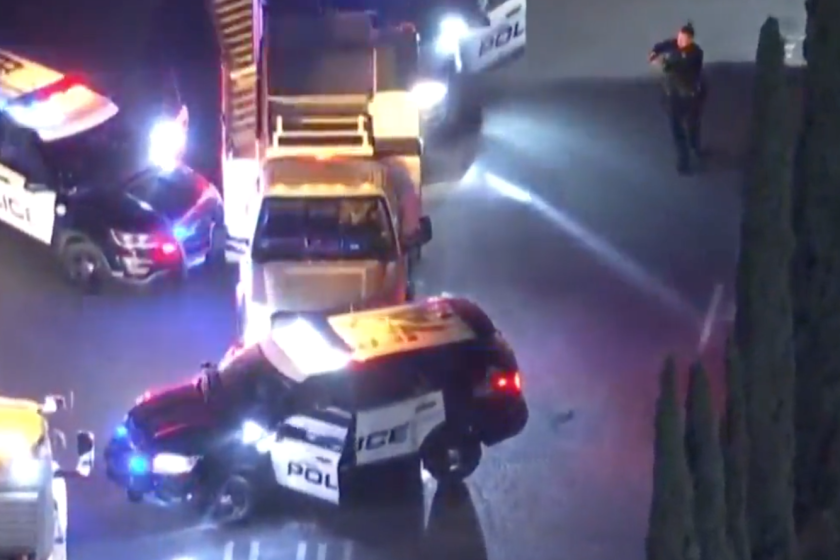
{"x": 218, "y": 244}
{"x": 84, "y": 266}
{"x": 233, "y": 502}
{"x": 451, "y": 460}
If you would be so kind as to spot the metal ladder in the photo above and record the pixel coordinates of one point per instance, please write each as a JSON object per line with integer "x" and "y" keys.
{"x": 238, "y": 25}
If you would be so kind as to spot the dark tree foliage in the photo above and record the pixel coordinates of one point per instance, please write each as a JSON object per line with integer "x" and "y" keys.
{"x": 763, "y": 323}
{"x": 816, "y": 288}
{"x": 705, "y": 462}
{"x": 671, "y": 534}
{"x": 733, "y": 438}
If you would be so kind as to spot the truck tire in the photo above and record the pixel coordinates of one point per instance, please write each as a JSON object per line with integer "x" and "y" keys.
{"x": 83, "y": 265}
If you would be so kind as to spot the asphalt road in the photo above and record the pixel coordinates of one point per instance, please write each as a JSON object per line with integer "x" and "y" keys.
{"x": 571, "y": 228}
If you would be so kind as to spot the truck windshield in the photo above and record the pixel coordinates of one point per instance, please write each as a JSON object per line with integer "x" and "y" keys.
{"x": 357, "y": 228}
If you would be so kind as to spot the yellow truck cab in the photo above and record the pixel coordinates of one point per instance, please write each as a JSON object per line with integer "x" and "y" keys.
{"x": 33, "y": 491}
{"x": 330, "y": 234}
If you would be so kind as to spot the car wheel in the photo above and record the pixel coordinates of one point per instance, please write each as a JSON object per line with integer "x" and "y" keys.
{"x": 233, "y": 502}
{"x": 84, "y": 266}
{"x": 451, "y": 462}
{"x": 218, "y": 244}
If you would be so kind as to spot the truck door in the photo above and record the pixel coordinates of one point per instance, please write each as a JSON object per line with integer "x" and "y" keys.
{"x": 499, "y": 43}
{"x": 306, "y": 455}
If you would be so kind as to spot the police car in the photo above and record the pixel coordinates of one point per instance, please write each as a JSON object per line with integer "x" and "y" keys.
{"x": 322, "y": 400}
{"x": 75, "y": 178}
{"x": 463, "y": 38}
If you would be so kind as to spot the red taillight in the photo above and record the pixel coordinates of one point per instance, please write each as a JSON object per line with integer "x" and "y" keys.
{"x": 509, "y": 382}
{"x": 499, "y": 382}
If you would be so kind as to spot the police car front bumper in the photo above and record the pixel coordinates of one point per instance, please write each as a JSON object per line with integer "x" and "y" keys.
{"x": 142, "y": 266}
{"x": 143, "y": 485}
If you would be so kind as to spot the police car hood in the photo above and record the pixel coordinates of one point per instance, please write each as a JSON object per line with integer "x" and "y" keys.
{"x": 313, "y": 286}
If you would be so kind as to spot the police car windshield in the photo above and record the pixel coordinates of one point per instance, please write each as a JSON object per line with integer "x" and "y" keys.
{"x": 357, "y": 228}
{"x": 108, "y": 145}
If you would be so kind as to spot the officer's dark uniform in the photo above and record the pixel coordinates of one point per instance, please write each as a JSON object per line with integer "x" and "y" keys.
{"x": 685, "y": 94}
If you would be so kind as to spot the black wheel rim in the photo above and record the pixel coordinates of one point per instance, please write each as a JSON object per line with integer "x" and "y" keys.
{"x": 82, "y": 267}
{"x": 233, "y": 502}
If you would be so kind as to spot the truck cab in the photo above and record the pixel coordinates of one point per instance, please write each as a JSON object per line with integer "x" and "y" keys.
{"x": 333, "y": 234}
{"x": 33, "y": 489}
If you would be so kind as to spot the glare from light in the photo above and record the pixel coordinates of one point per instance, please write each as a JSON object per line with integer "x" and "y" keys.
{"x": 252, "y": 432}
{"x": 36, "y": 116}
{"x": 13, "y": 444}
{"x": 308, "y": 349}
{"x": 167, "y": 142}
{"x": 428, "y": 95}
{"x": 451, "y": 32}
{"x": 257, "y": 323}
{"x": 172, "y": 464}
{"x": 26, "y": 471}
{"x": 621, "y": 264}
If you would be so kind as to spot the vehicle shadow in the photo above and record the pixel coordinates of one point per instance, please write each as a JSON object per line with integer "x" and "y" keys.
{"x": 401, "y": 523}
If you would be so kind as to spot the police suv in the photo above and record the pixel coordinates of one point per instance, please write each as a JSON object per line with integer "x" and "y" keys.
{"x": 76, "y": 178}
{"x": 322, "y": 401}
{"x": 464, "y": 39}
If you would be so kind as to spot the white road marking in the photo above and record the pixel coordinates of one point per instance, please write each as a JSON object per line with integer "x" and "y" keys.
{"x": 301, "y": 551}
{"x": 322, "y": 551}
{"x": 228, "y": 552}
{"x": 254, "y": 551}
{"x": 348, "y": 551}
{"x": 710, "y": 318}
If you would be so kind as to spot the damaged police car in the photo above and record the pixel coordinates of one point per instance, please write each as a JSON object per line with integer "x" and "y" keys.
{"x": 323, "y": 399}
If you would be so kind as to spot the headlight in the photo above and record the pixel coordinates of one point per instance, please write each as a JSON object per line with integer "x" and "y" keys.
{"x": 171, "y": 464}
{"x": 451, "y": 32}
{"x": 167, "y": 142}
{"x": 254, "y": 434}
{"x": 257, "y": 323}
{"x": 26, "y": 471}
{"x": 25, "y": 467}
{"x": 428, "y": 95}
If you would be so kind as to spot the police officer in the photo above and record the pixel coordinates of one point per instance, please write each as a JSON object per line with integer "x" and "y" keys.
{"x": 681, "y": 60}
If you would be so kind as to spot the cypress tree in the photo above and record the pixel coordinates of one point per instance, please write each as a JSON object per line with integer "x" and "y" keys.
{"x": 817, "y": 259}
{"x": 763, "y": 322}
{"x": 733, "y": 437}
{"x": 671, "y": 533}
{"x": 705, "y": 462}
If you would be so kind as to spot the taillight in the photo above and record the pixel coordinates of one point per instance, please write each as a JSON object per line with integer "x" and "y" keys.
{"x": 507, "y": 382}
{"x": 500, "y": 382}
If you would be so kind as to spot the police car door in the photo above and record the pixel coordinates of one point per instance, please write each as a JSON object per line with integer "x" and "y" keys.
{"x": 26, "y": 202}
{"x": 399, "y": 429}
{"x": 306, "y": 456}
{"x": 501, "y": 42}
